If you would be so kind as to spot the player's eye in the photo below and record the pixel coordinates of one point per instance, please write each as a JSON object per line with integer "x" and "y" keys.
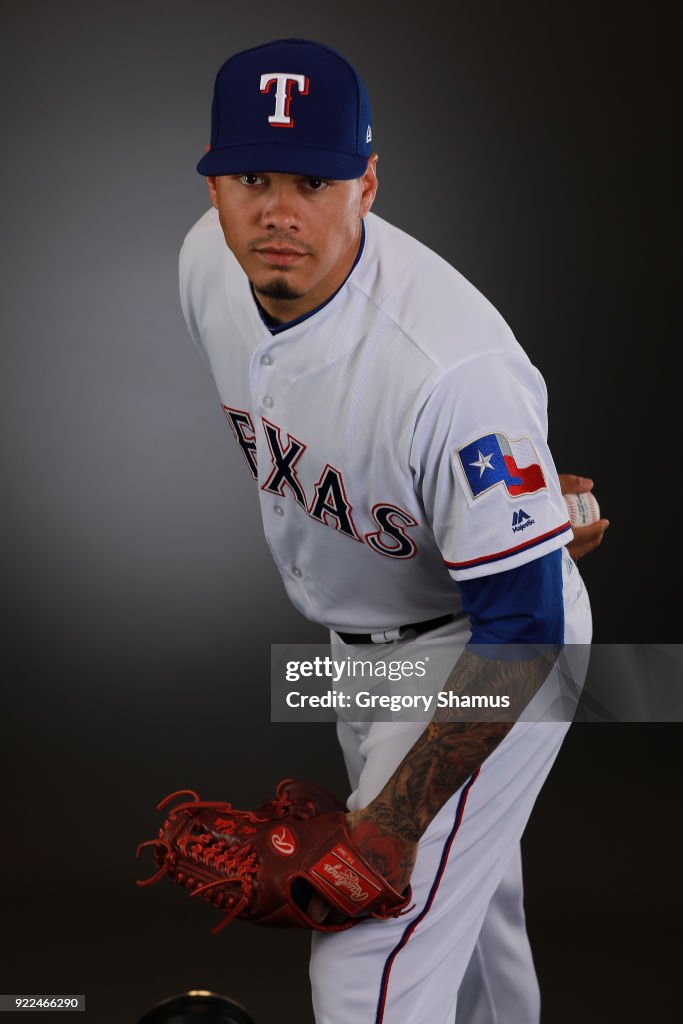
{"x": 316, "y": 184}
{"x": 250, "y": 179}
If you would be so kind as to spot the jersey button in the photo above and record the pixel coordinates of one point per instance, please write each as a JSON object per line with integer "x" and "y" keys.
{"x": 279, "y": 511}
{"x": 296, "y": 571}
{"x": 268, "y": 402}
{"x": 266, "y": 360}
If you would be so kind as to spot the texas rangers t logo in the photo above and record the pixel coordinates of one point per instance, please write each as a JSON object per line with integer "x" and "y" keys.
{"x": 283, "y": 95}
{"x": 496, "y": 459}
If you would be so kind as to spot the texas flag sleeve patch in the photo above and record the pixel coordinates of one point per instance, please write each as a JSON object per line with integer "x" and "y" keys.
{"x": 496, "y": 459}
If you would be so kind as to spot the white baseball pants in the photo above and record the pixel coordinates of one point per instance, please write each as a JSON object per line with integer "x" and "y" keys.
{"x": 462, "y": 954}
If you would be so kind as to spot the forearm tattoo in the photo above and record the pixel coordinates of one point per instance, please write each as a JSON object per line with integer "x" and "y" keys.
{"x": 393, "y": 856}
{"x": 449, "y": 751}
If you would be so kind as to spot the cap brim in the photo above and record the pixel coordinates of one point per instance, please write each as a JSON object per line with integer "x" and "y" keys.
{"x": 274, "y": 157}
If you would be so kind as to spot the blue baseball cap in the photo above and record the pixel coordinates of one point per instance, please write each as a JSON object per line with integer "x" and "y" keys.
{"x": 292, "y": 106}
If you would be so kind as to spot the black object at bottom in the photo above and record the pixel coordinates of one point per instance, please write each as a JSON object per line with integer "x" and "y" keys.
{"x": 197, "y": 1008}
{"x": 415, "y": 627}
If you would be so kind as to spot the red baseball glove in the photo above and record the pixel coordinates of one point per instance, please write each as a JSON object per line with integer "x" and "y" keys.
{"x": 264, "y": 865}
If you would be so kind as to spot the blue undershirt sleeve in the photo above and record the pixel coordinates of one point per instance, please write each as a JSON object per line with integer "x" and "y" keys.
{"x": 521, "y": 606}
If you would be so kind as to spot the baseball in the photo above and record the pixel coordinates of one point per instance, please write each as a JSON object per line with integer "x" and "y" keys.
{"x": 583, "y": 508}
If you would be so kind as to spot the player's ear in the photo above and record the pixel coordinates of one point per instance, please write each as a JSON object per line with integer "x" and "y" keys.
{"x": 369, "y": 185}
{"x": 213, "y": 194}
{"x": 211, "y": 182}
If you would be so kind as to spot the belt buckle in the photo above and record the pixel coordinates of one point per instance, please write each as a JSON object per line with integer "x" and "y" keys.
{"x": 387, "y": 636}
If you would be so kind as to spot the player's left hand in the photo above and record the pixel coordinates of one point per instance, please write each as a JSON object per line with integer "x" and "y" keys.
{"x": 586, "y": 538}
{"x": 391, "y": 855}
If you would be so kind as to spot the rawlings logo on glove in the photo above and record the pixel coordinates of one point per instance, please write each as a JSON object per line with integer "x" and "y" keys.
{"x": 341, "y": 870}
{"x": 265, "y": 873}
{"x": 283, "y": 841}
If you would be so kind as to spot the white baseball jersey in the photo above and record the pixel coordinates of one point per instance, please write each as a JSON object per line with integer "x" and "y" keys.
{"x": 397, "y": 435}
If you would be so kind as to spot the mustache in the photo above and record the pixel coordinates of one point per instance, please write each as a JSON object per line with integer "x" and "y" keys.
{"x": 282, "y": 240}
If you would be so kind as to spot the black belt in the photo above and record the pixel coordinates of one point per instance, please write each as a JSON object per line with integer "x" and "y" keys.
{"x": 386, "y": 636}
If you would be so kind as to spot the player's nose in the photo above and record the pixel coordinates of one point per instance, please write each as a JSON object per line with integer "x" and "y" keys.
{"x": 281, "y": 211}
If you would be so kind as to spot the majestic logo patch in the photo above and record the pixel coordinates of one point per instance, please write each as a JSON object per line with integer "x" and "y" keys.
{"x": 520, "y": 521}
{"x": 496, "y": 459}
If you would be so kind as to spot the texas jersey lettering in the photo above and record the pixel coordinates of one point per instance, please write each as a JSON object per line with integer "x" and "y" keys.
{"x": 329, "y": 503}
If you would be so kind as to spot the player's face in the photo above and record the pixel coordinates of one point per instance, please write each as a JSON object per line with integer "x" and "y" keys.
{"x": 296, "y": 238}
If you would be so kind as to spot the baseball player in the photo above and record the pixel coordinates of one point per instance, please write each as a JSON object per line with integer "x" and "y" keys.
{"x": 395, "y": 433}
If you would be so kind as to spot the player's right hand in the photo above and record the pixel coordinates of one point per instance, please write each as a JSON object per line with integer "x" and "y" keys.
{"x": 586, "y": 538}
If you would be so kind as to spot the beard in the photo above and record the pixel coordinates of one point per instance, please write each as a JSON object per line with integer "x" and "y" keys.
{"x": 278, "y": 288}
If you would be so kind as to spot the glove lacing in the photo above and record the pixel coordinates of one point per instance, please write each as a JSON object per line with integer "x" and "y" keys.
{"x": 238, "y": 861}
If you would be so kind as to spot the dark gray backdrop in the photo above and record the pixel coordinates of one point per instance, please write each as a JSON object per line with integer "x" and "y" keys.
{"x": 529, "y": 144}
